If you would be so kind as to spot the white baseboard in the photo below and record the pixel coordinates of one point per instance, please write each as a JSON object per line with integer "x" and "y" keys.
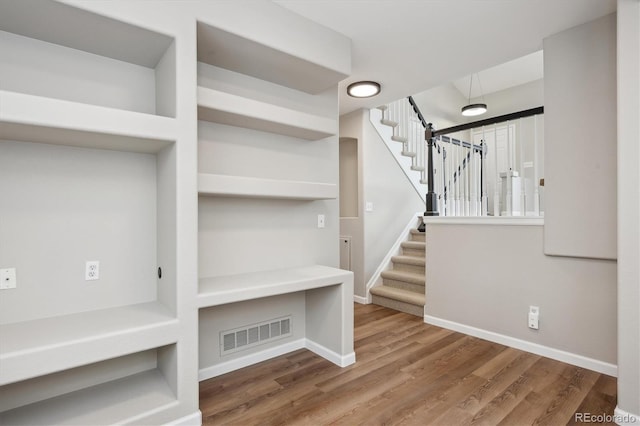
{"x": 557, "y": 354}
{"x": 254, "y": 358}
{"x": 328, "y": 354}
{"x": 247, "y": 360}
{"x": 361, "y": 300}
{"x": 622, "y": 417}
{"x": 194, "y": 419}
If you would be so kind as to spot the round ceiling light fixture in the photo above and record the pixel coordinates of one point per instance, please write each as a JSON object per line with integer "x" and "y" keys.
{"x": 363, "y": 89}
{"x": 472, "y": 110}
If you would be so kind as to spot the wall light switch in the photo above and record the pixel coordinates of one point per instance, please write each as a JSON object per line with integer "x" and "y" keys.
{"x": 320, "y": 221}
{"x": 369, "y": 206}
{"x": 8, "y": 278}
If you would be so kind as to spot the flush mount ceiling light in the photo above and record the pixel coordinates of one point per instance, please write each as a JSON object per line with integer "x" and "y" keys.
{"x": 363, "y": 89}
{"x": 472, "y": 110}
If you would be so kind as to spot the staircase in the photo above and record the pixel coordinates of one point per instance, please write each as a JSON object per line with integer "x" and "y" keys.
{"x": 403, "y": 287}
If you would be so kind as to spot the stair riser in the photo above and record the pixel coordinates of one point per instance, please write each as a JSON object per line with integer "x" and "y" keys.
{"x": 419, "y": 237}
{"x": 416, "y": 288}
{"x": 413, "y": 252}
{"x": 417, "y": 269}
{"x": 398, "y": 306}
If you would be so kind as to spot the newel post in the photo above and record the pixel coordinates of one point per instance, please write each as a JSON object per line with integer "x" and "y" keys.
{"x": 432, "y": 197}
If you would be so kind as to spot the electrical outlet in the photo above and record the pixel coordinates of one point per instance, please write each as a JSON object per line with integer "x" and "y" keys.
{"x": 534, "y": 317}
{"x": 320, "y": 221}
{"x": 92, "y": 270}
{"x": 8, "y": 278}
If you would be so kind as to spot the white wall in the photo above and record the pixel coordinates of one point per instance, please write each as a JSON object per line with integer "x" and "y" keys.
{"x": 629, "y": 206}
{"x": 487, "y": 276}
{"x": 580, "y": 135}
{"x": 441, "y": 105}
{"x": 385, "y": 185}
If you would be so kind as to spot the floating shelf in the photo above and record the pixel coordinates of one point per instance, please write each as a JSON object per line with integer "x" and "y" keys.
{"x": 225, "y": 108}
{"x": 39, "y": 119}
{"x": 34, "y": 348}
{"x": 120, "y": 401}
{"x": 250, "y": 187}
{"x": 236, "y": 288}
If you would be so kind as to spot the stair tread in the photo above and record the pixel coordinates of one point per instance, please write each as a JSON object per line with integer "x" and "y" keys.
{"x": 409, "y": 260}
{"x": 408, "y": 154}
{"x": 399, "y": 138}
{"x": 400, "y": 295}
{"x": 388, "y": 122}
{"x": 409, "y": 277}
{"x": 420, "y": 245}
{"x": 416, "y": 232}
{"x": 417, "y": 168}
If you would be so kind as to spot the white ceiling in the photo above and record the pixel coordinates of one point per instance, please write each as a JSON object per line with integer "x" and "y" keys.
{"x": 413, "y": 45}
{"x": 503, "y": 76}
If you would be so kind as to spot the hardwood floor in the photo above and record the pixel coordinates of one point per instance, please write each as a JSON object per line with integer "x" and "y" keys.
{"x": 408, "y": 373}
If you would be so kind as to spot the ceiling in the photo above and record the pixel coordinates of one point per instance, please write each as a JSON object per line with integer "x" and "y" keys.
{"x": 413, "y": 45}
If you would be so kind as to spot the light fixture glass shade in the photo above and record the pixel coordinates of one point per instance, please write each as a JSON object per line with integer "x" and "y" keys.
{"x": 363, "y": 89}
{"x": 472, "y": 110}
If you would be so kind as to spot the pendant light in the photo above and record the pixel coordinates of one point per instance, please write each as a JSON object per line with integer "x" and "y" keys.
{"x": 472, "y": 110}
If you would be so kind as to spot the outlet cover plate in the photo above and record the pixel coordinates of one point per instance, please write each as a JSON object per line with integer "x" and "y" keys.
{"x": 8, "y": 278}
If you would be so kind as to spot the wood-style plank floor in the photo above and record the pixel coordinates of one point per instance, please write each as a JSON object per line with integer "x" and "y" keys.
{"x": 408, "y": 373}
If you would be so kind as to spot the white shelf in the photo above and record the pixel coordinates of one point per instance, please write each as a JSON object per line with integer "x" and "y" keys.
{"x": 39, "y": 119}
{"x": 225, "y": 108}
{"x": 34, "y": 348}
{"x": 250, "y": 187}
{"x": 121, "y": 401}
{"x": 216, "y": 291}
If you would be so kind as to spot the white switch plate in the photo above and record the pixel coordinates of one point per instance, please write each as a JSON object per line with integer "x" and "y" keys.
{"x": 320, "y": 221}
{"x": 369, "y": 206}
{"x": 92, "y": 270}
{"x": 8, "y": 278}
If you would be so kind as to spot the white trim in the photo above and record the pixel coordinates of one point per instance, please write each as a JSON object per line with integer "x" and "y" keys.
{"x": 557, "y": 354}
{"x": 393, "y": 251}
{"x": 329, "y": 355}
{"x": 254, "y": 358}
{"x": 194, "y": 419}
{"x": 622, "y": 417}
{"x": 250, "y": 359}
{"x": 485, "y": 220}
{"x": 361, "y": 300}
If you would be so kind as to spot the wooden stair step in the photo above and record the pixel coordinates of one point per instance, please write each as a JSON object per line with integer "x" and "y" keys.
{"x": 408, "y": 154}
{"x": 417, "y": 168}
{"x": 400, "y": 295}
{"x": 388, "y": 122}
{"x": 399, "y": 139}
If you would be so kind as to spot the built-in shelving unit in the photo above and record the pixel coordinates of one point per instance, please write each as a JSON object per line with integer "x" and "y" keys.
{"x": 87, "y": 170}
{"x": 249, "y": 187}
{"x": 226, "y": 108}
{"x": 215, "y": 291}
{"x": 44, "y": 346}
{"x": 268, "y": 138}
{"x": 115, "y": 402}
{"x": 32, "y": 118}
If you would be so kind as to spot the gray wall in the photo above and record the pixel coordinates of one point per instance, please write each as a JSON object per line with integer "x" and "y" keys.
{"x": 62, "y": 206}
{"x": 487, "y": 276}
{"x": 629, "y": 206}
{"x": 580, "y": 135}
